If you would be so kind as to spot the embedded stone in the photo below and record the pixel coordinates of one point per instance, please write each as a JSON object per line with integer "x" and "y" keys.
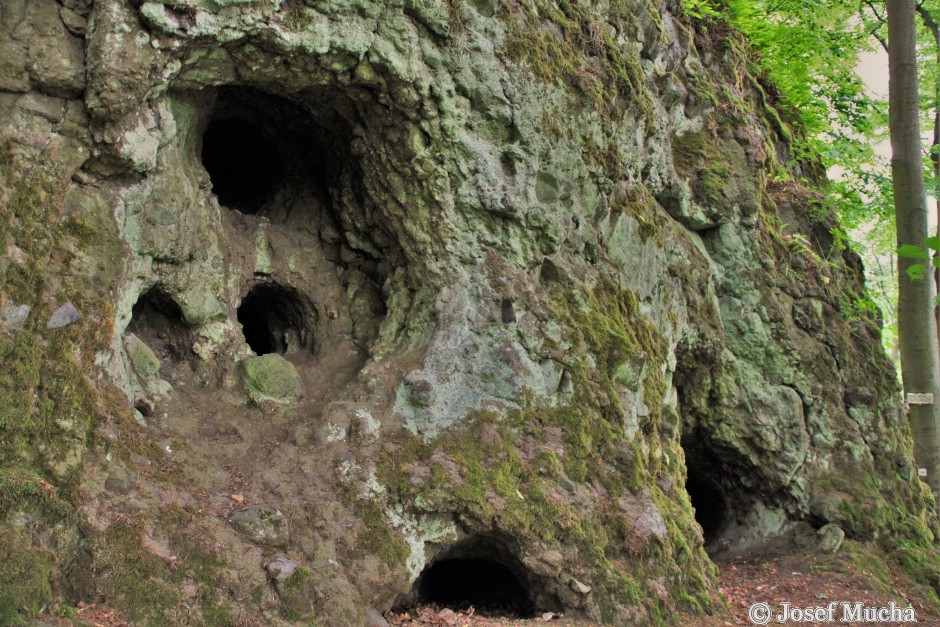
{"x": 830, "y": 538}
{"x": 264, "y": 525}
{"x": 280, "y": 568}
{"x": 15, "y": 315}
{"x": 142, "y": 357}
{"x": 64, "y": 316}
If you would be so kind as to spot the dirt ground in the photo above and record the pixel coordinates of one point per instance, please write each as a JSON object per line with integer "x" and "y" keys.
{"x": 802, "y": 578}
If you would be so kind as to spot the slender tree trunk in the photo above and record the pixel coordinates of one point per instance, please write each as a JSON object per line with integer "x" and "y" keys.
{"x": 917, "y": 326}
{"x": 928, "y": 19}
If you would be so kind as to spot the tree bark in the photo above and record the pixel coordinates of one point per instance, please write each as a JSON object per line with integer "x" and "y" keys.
{"x": 917, "y": 325}
{"x": 931, "y": 24}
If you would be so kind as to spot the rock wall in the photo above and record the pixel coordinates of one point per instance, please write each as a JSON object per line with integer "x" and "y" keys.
{"x": 358, "y": 290}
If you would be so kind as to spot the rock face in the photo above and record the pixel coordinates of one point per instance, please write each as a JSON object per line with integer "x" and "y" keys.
{"x": 546, "y": 278}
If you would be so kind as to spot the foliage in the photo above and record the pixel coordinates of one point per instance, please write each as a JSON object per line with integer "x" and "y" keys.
{"x": 912, "y": 251}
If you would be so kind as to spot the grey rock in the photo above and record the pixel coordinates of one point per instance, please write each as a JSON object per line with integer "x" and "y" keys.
{"x": 579, "y": 587}
{"x": 651, "y": 522}
{"x": 830, "y": 538}
{"x": 75, "y": 22}
{"x": 120, "y": 482}
{"x": 16, "y": 315}
{"x": 64, "y": 316}
{"x": 145, "y": 361}
{"x": 264, "y": 525}
{"x": 280, "y": 568}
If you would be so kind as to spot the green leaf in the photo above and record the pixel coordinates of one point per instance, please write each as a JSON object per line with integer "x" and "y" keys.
{"x": 912, "y": 252}
{"x": 933, "y": 243}
{"x": 917, "y": 271}
{"x": 936, "y": 261}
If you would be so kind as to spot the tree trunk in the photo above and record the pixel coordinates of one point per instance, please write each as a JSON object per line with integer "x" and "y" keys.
{"x": 931, "y": 24}
{"x": 917, "y": 326}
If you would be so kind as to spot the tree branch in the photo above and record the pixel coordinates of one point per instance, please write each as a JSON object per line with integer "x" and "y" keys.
{"x": 881, "y": 21}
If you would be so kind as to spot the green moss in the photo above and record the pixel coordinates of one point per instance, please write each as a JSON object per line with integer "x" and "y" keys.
{"x": 297, "y": 19}
{"x": 378, "y": 538}
{"x": 48, "y": 408}
{"x": 571, "y": 44}
{"x": 25, "y": 573}
{"x": 145, "y": 585}
{"x": 299, "y": 596}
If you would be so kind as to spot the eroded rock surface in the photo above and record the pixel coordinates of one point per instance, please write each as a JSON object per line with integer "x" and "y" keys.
{"x": 541, "y": 274}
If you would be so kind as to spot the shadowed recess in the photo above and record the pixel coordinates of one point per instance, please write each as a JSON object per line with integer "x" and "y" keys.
{"x": 245, "y": 167}
{"x": 276, "y": 319}
{"x": 711, "y": 511}
{"x": 482, "y": 583}
{"x": 158, "y": 321}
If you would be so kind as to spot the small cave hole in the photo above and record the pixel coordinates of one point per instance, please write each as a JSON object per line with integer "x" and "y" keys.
{"x": 480, "y": 572}
{"x": 158, "y": 321}
{"x": 508, "y": 312}
{"x": 275, "y": 319}
{"x": 711, "y": 510}
{"x": 245, "y": 167}
{"x": 485, "y": 584}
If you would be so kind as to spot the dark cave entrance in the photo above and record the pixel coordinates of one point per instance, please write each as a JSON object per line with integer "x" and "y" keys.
{"x": 711, "y": 511}
{"x": 482, "y": 583}
{"x": 482, "y": 573}
{"x": 245, "y": 167}
{"x": 273, "y": 157}
{"x": 706, "y": 490}
{"x": 158, "y": 321}
{"x": 276, "y": 319}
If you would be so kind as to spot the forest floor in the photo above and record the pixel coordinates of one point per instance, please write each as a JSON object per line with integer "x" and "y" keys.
{"x": 803, "y": 578}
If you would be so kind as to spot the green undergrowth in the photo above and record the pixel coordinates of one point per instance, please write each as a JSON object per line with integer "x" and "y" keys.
{"x": 378, "y": 538}
{"x": 298, "y": 596}
{"x": 573, "y": 44}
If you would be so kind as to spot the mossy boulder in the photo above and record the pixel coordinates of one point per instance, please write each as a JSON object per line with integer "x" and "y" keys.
{"x": 271, "y": 378}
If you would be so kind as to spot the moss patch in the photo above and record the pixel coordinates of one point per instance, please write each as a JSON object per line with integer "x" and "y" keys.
{"x": 147, "y": 586}
{"x": 573, "y": 44}
{"x": 25, "y": 573}
{"x": 48, "y": 408}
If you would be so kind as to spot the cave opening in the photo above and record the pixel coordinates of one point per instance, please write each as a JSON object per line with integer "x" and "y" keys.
{"x": 711, "y": 510}
{"x": 270, "y": 156}
{"x": 244, "y": 165}
{"x": 158, "y": 321}
{"x": 276, "y": 319}
{"x": 485, "y": 584}
{"x": 480, "y": 572}
{"x": 707, "y": 485}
